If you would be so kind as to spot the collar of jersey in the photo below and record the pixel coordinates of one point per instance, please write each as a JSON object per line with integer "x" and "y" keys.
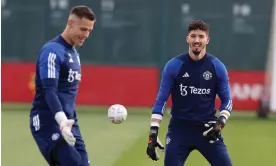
{"x": 64, "y": 42}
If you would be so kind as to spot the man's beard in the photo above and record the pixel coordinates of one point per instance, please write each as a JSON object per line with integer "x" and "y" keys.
{"x": 196, "y": 52}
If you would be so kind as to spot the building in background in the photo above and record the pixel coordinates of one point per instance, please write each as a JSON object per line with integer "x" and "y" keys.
{"x": 132, "y": 40}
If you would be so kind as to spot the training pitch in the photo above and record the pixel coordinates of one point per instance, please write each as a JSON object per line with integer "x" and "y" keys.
{"x": 250, "y": 141}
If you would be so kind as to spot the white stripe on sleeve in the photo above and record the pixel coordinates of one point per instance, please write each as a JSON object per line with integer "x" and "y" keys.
{"x": 229, "y": 105}
{"x": 164, "y": 107}
{"x": 51, "y": 65}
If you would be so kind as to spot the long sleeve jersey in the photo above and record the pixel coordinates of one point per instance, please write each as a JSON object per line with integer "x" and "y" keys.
{"x": 193, "y": 86}
{"x": 58, "y": 73}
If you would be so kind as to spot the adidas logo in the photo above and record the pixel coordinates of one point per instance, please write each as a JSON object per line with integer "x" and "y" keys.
{"x": 186, "y": 75}
{"x": 70, "y": 60}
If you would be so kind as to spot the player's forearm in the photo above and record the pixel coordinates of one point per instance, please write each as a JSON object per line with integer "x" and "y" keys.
{"x": 158, "y": 108}
{"x": 55, "y": 106}
{"x": 223, "y": 90}
{"x": 160, "y": 105}
{"x": 226, "y": 104}
{"x": 51, "y": 98}
{"x": 226, "y": 108}
{"x": 52, "y": 101}
{"x": 226, "y": 100}
{"x": 170, "y": 71}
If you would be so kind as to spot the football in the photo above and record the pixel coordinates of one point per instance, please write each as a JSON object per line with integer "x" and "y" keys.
{"x": 117, "y": 113}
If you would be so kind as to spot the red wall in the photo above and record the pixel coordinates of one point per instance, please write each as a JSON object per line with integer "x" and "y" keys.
{"x": 246, "y": 89}
{"x": 17, "y": 82}
{"x": 132, "y": 86}
{"x": 99, "y": 85}
{"x": 125, "y": 85}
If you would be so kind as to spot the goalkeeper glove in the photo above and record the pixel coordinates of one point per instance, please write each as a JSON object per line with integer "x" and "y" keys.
{"x": 214, "y": 129}
{"x": 153, "y": 143}
{"x": 66, "y": 127}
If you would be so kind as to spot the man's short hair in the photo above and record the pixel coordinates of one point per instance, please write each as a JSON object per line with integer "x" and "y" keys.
{"x": 83, "y": 12}
{"x": 198, "y": 25}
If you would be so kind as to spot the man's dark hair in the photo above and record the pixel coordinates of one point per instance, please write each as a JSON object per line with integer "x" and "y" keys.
{"x": 83, "y": 12}
{"x": 198, "y": 25}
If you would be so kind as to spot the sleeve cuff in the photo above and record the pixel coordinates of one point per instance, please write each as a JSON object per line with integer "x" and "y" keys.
{"x": 225, "y": 114}
{"x": 156, "y": 116}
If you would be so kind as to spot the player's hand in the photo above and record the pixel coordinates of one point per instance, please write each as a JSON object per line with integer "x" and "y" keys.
{"x": 153, "y": 143}
{"x": 66, "y": 127}
{"x": 214, "y": 129}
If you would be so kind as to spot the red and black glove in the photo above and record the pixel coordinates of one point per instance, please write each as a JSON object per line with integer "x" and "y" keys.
{"x": 153, "y": 143}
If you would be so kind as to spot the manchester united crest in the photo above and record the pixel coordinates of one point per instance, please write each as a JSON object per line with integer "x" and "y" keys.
{"x": 207, "y": 75}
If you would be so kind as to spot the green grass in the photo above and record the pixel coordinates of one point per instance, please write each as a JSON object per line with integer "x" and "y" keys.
{"x": 251, "y": 142}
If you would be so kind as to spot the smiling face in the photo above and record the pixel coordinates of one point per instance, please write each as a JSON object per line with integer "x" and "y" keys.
{"x": 198, "y": 37}
{"x": 80, "y": 24}
{"x": 79, "y": 30}
{"x": 197, "y": 40}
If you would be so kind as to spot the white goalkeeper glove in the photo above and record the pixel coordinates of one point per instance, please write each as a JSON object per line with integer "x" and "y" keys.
{"x": 65, "y": 128}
